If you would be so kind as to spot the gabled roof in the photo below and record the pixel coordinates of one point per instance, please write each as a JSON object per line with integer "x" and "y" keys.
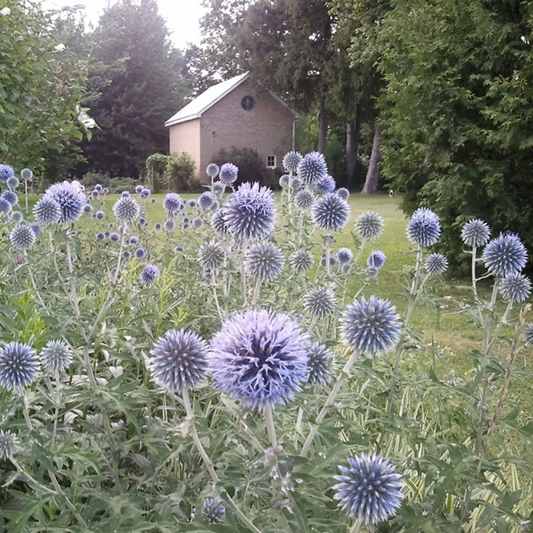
{"x": 197, "y": 107}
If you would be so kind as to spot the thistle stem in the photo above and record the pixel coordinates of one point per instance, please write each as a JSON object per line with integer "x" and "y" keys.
{"x": 269, "y": 419}
{"x": 356, "y": 528}
{"x": 257, "y": 292}
{"x": 243, "y": 273}
{"x": 115, "y": 278}
{"x": 215, "y": 296}
{"x": 34, "y": 285}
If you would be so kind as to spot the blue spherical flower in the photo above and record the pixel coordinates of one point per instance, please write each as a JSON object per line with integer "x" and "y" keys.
{"x": 100, "y": 236}
{"x": 325, "y": 185}
{"x": 344, "y": 255}
{"x": 304, "y": 199}
{"x": 126, "y": 254}
{"x": 291, "y": 160}
{"x": 376, "y": 259}
{"x": 318, "y": 362}
{"x": 133, "y": 240}
{"x": 95, "y": 193}
{"x": 88, "y": 208}
{"x": 47, "y": 211}
{"x": 197, "y": 223}
{"x": 505, "y": 255}
{"x": 115, "y": 237}
{"x": 436, "y": 264}
{"x": 147, "y": 192}
{"x": 12, "y": 182}
{"x": 139, "y": 189}
{"x": 179, "y": 249}
{"x": 6, "y": 172}
{"x": 140, "y": 253}
{"x": 346, "y": 268}
{"x": 250, "y": 212}
{"x": 179, "y": 360}
{"x": 37, "y": 230}
{"x": 22, "y": 237}
{"x": 9, "y": 445}
{"x": 228, "y": 173}
{"x": 158, "y": 226}
{"x": 212, "y": 170}
{"x": 142, "y": 221}
{"x": 169, "y": 225}
{"x": 333, "y": 260}
{"x": 211, "y": 255}
{"x": 475, "y": 233}
{"x": 186, "y": 221}
{"x": 260, "y": 358}
{"x": 107, "y": 233}
{"x": 56, "y": 356}
{"x": 424, "y": 228}
{"x": 26, "y": 174}
{"x": 218, "y": 222}
{"x": 206, "y": 200}
{"x": 371, "y": 326}
{"x": 331, "y": 213}
{"x": 172, "y": 204}
{"x": 125, "y": 194}
{"x": 218, "y": 187}
{"x": 369, "y": 489}
{"x": 18, "y": 365}
{"x": 149, "y": 274}
{"x": 11, "y": 197}
{"x": 528, "y": 334}
{"x": 264, "y": 261}
{"x": 284, "y": 181}
{"x": 192, "y": 203}
{"x": 127, "y": 210}
{"x": 320, "y": 302}
{"x": 105, "y": 190}
{"x": 98, "y": 187}
{"x": 213, "y": 510}
{"x": 301, "y": 260}
{"x": 5, "y": 206}
{"x": 515, "y": 288}
{"x": 369, "y": 225}
{"x": 71, "y": 199}
{"x": 295, "y": 183}
{"x": 17, "y": 217}
{"x": 100, "y": 215}
{"x": 312, "y": 168}
{"x": 343, "y": 193}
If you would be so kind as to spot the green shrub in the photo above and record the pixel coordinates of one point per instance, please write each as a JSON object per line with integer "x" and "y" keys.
{"x": 179, "y": 173}
{"x": 156, "y": 166}
{"x": 118, "y": 185}
{"x": 91, "y": 179}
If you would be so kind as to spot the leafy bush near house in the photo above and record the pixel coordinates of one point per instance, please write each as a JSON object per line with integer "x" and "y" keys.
{"x": 156, "y": 166}
{"x": 179, "y": 173}
{"x": 123, "y": 184}
{"x": 91, "y": 179}
{"x": 251, "y": 167}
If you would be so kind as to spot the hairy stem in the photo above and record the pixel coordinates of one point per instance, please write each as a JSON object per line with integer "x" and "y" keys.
{"x": 269, "y": 419}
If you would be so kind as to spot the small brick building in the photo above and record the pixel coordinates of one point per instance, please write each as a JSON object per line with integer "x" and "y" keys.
{"x": 233, "y": 113}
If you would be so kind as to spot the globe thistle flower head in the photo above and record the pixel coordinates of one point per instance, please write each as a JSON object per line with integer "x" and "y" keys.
{"x": 304, "y": 199}
{"x": 295, "y": 183}
{"x": 206, "y": 200}
{"x": 527, "y": 335}
{"x": 372, "y": 272}
{"x": 126, "y": 254}
{"x": 260, "y": 358}
{"x": 284, "y": 181}
{"x": 197, "y": 223}
{"x": 192, "y": 203}
{"x": 475, "y": 233}
{"x": 127, "y": 210}
{"x": 6, "y": 172}
{"x": 345, "y": 268}
{"x": 26, "y": 174}
{"x": 179, "y": 249}
{"x": 5, "y": 206}
{"x": 133, "y": 240}
{"x": 71, "y": 199}
{"x": 105, "y": 190}
{"x": 331, "y": 212}
{"x": 301, "y": 260}
{"x": 11, "y": 197}
{"x": 371, "y": 326}
{"x": 344, "y": 255}
{"x": 158, "y": 226}
{"x": 228, "y": 173}
{"x": 95, "y": 193}
{"x": 9, "y": 445}
{"x": 264, "y": 261}
{"x": 213, "y": 510}
{"x": 515, "y": 288}
{"x": 169, "y": 225}
{"x": 343, "y": 193}
{"x": 325, "y": 185}
{"x": 17, "y": 217}
{"x": 369, "y": 225}
{"x": 147, "y": 192}
{"x": 333, "y": 260}
{"x": 250, "y": 213}
{"x": 505, "y": 255}
{"x": 369, "y": 489}
{"x": 107, "y": 233}
{"x": 37, "y": 230}
{"x": 211, "y": 255}
{"x": 320, "y": 302}
{"x": 218, "y": 187}
{"x": 436, "y": 264}
{"x": 212, "y": 170}
{"x": 186, "y": 221}
{"x": 179, "y": 360}
{"x": 376, "y": 259}
{"x": 114, "y": 236}
{"x": 424, "y": 228}
{"x": 56, "y": 356}
{"x": 12, "y": 182}
{"x": 140, "y": 253}
{"x": 125, "y": 194}
{"x": 149, "y": 274}
{"x": 18, "y": 366}
{"x": 139, "y": 189}
{"x": 172, "y": 204}
{"x": 142, "y": 221}
{"x": 218, "y": 222}
{"x": 47, "y": 211}
{"x": 100, "y": 236}
{"x": 291, "y": 160}
{"x": 22, "y": 237}
{"x": 312, "y": 168}
{"x": 318, "y": 358}
{"x": 100, "y": 215}
{"x": 98, "y": 187}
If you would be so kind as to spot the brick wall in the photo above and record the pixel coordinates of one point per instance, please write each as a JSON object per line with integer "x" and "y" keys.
{"x": 185, "y": 137}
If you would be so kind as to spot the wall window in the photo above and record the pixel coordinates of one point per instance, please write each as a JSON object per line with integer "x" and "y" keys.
{"x": 271, "y": 161}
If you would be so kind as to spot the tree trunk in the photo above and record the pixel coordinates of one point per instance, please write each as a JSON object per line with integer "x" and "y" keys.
{"x": 353, "y": 129}
{"x": 322, "y": 126}
{"x": 372, "y": 176}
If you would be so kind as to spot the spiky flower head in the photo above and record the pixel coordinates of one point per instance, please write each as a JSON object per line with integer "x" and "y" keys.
{"x": 320, "y": 302}
{"x": 436, "y": 264}
{"x": 212, "y": 170}
{"x": 211, "y": 255}
{"x": 331, "y": 212}
{"x": 475, "y": 233}
{"x": 344, "y": 255}
{"x": 312, "y": 168}
{"x": 47, "y": 211}
{"x": 115, "y": 237}
{"x": 218, "y": 187}
{"x": 197, "y": 223}
{"x": 206, "y": 200}
{"x": 169, "y": 225}
{"x": 22, "y": 237}
{"x": 259, "y": 357}
{"x": 140, "y": 253}
{"x": 369, "y": 225}
{"x": 26, "y": 174}
{"x": 9, "y": 445}
{"x": 18, "y": 365}
{"x": 98, "y": 187}
{"x": 5, "y": 206}
{"x": 304, "y": 199}
{"x": 505, "y": 255}
{"x": 228, "y": 173}
{"x": 149, "y": 274}
{"x": 369, "y": 489}
{"x": 325, "y": 185}
{"x": 218, "y": 222}
{"x": 100, "y": 215}
{"x": 192, "y": 202}
{"x": 12, "y": 182}
{"x": 158, "y": 226}
{"x": 528, "y": 334}
{"x": 343, "y": 193}
{"x": 179, "y": 360}
{"x": 147, "y": 192}
{"x": 95, "y": 193}
{"x": 371, "y": 326}
{"x": 301, "y": 260}
{"x": 264, "y": 261}
{"x": 284, "y": 181}
{"x": 291, "y": 160}
{"x": 424, "y": 228}
{"x": 6, "y": 172}
{"x": 346, "y": 268}
{"x": 17, "y": 217}
{"x": 100, "y": 236}
{"x": 139, "y": 189}
{"x": 36, "y": 228}
{"x": 56, "y": 356}
{"x": 179, "y": 249}
{"x": 376, "y": 259}
{"x": 133, "y": 240}
{"x": 172, "y": 204}
{"x": 515, "y": 288}
{"x": 70, "y": 197}
{"x": 88, "y": 208}
{"x": 318, "y": 363}
{"x": 213, "y": 510}
{"x": 125, "y": 194}
{"x": 372, "y": 272}
{"x": 250, "y": 213}
{"x": 295, "y": 183}
{"x": 127, "y": 210}
{"x": 11, "y": 197}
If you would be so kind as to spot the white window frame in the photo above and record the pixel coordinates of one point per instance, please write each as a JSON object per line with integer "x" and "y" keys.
{"x": 275, "y": 161}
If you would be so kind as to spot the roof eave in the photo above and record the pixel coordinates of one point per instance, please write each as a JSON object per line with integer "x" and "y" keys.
{"x": 171, "y": 122}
